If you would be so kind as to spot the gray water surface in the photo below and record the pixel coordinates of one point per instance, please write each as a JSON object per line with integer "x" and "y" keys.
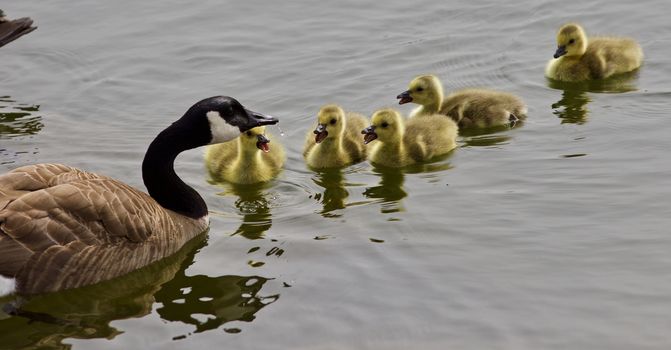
{"x": 551, "y": 235}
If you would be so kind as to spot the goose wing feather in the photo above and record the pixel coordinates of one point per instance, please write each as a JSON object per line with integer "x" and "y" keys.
{"x": 57, "y": 219}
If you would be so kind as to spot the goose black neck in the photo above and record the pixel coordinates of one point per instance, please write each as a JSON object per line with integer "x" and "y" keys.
{"x": 159, "y": 175}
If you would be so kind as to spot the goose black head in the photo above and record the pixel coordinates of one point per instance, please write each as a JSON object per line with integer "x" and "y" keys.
{"x": 225, "y": 118}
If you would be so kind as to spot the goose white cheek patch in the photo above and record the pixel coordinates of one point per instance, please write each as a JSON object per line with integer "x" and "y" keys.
{"x": 221, "y": 130}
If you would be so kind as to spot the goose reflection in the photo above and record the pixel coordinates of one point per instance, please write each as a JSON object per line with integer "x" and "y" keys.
{"x": 45, "y": 321}
{"x": 389, "y": 190}
{"x": 335, "y": 193}
{"x": 254, "y": 206}
{"x": 572, "y": 107}
{"x": 18, "y": 119}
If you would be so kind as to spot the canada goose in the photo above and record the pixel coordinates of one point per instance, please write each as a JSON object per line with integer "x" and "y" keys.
{"x": 11, "y": 30}
{"x": 246, "y": 160}
{"x": 415, "y": 140}
{"x": 578, "y": 58}
{"x": 61, "y": 227}
{"x": 468, "y": 107}
{"x": 335, "y": 142}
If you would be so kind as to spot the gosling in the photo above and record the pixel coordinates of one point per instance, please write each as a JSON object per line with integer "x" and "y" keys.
{"x": 335, "y": 142}
{"x": 470, "y": 108}
{"x": 578, "y": 58}
{"x": 247, "y": 160}
{"x": 413, "y": 141}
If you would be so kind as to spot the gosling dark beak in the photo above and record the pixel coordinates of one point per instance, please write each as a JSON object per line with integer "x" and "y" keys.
{"x": 561, "y": 51}
{"x": 262, "y": 143}
{"x": 369, "y": 134}
{"x": 320, "y": 133}
{"x": 404, "y": 97}
{"x": 255, "y": 119}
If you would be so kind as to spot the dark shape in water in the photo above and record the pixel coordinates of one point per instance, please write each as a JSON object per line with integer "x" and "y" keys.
{"x": 390, "y": 190}
{"x": 575, "y": 94}
{"x": 334, "y": 195}
{"x": 18, "y": 119}
{"x": 45, "y": 321}
{"x": 12, "y": 29}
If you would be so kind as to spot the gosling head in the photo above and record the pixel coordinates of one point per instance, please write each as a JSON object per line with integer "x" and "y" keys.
{"x": 571, "y": 41}
{"x": 219, "y": 119}
{"x": 386, "y": 125}
{"x": 330, "y": 121}
{"x": 423, "y": 90}
{"x": 255, "y": 137}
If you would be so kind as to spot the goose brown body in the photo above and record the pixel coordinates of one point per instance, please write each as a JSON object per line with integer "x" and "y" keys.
{"x": 61, "y": 227}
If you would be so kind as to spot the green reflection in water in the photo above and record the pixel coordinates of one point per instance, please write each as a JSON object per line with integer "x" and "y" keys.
{"x": 334, "y": 195}
{"x": 389, "y": 191}
{"x": 572, "y": 107}
{"x": 254, "y": 204}
{"x": 17, "y": 119}
{"x": 45, "y": 321}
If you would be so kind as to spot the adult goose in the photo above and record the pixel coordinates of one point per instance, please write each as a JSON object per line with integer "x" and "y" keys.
{"x": 61, "y": 227}
{"x": 11, "y": 30}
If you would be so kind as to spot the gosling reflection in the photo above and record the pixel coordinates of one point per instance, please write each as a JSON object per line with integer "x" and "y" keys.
{"x": 18, "y": 119}
{"x": 45, "y": 321}
{"x": 335, "y": 194}
{"x": 389, "y": 191}
{"x": 254, "y": 206}
{"x": 572, "y": 107}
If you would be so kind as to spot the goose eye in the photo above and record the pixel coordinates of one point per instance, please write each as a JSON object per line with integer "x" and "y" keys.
{"x": 333, "y": 121}
{"x": 571, "y": 41}
{"x": 384, "y": 124}
{"x": 420, "y": 89}
{"x": 249, "y": 133}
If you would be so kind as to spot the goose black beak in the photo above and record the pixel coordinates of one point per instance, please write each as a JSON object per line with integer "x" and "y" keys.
{"x": 369, "y": 134}
{"x": 320, "y": 133}
{"x": 262, "y": 143}
{"x": 561, "y": 51}
{"x": 404, "y": 97}
{"x": 255, "y": 119}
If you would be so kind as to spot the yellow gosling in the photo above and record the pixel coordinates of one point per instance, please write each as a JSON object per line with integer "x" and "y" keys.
{"x": 247, "y": 160}
{"x": 470, "y": 108}
{"x": 335, "y": 141}
{"x": 578, "y": 58}
{"x": 398, "y": 143}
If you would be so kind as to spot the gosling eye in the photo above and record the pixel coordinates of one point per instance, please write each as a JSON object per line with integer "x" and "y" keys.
{"x": 384, "y": 124}
{"x": 249, "y": 133}
{"x": 571, "y": 41}
{"x": 420, "y": 89}
{"x": 333, "y": 121}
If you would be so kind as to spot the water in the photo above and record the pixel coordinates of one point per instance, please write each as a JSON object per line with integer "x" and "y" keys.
{"x": 552, "y": 235}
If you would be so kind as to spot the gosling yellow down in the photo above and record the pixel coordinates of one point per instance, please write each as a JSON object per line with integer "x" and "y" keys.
{"x": 578, "y": 58}
{"x": 247, "y": 160}
{"x": 335, "y": 142}
{"x": 470, "y": 108}
{"x": 402, "y": 143}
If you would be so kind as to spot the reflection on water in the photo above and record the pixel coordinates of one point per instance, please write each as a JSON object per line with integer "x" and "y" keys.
{"x": 254, "y": 205}
{"x": 389, "y": 190}
{"x": 215, "y": 300}
{"x": 45, "y": 321}
{"x": 334, "y": 195}
{"x": 18, "y": 119}
{"x": 572, "y": 107}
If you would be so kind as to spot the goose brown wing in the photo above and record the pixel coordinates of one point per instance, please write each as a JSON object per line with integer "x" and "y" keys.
{"x": 63, "y": 227}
